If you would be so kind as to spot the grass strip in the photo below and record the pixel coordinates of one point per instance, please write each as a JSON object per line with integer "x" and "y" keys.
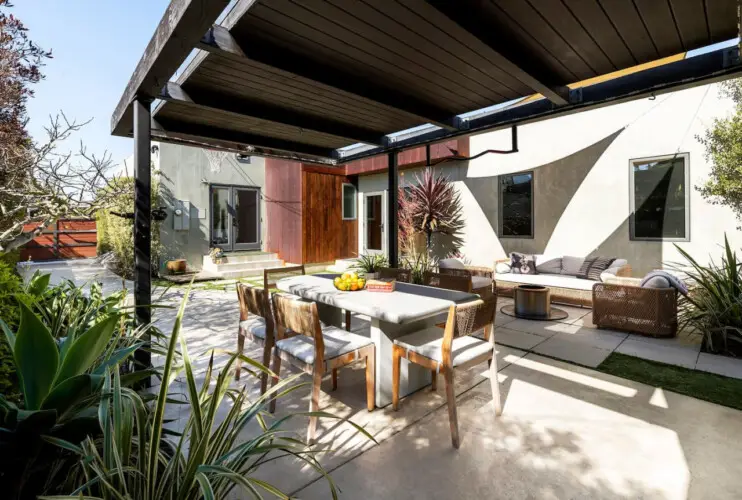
{"x": 710, "y": 387}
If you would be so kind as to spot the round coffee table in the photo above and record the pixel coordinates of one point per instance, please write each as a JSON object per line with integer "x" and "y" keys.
{"x": 533, "y": 302}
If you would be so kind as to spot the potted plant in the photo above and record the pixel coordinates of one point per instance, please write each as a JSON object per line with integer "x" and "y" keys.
{"x": 369, "y": 264}
{"x": 177, "y": 266}
{"x": 217, "y": 255}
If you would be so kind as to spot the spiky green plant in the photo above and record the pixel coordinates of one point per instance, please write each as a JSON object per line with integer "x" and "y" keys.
{"x": 135, "y": 458}
{"x": 713, "y": 306}
{"x": 370, "y": 263}
{"x": 419, "y": 264}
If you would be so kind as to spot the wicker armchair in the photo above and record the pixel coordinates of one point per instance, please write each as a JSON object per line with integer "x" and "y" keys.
{"x": 623, "y": 305}
{"x": 479, "y": 275}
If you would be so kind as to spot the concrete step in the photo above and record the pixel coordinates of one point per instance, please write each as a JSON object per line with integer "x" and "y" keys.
{"x": 255, "y": 264}
{"x": 341, "y": 265}
{"x": 236, "y": 257}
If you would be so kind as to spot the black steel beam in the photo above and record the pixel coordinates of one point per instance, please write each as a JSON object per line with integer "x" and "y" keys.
{"x": 699, "y": 70}
{"x": 180, "y": 29}
{"x": 208, "y": 99}
{"x": 142, "y": 223}
{"x": 242, "y": 141}
{"x": 507, "y": 55}
{"x": 392, "y": 210}
{"x": 220, "y": 41}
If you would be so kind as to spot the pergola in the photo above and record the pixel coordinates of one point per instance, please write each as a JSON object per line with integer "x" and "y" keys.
{"x": 332, "y": 81}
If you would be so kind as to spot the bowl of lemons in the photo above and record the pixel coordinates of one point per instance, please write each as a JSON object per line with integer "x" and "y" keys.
{"x": 350, "y": 282}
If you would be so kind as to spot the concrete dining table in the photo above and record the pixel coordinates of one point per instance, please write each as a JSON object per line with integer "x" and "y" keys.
{"x": 407, "y": 309}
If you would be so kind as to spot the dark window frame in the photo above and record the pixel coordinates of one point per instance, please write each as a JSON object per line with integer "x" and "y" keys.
{"x": 632, "y": 196}
{"x": 355, "y": 198}
{"x": 501, "y": 210}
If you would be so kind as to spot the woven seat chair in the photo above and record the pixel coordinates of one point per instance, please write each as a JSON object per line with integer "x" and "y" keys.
{"x": 401, "y": 275}
{"x": 256, "y": 324}
{"x": 482, "y": 278}
{"x": 451, "y": 349}
{"x": 316, "y": 350}
{"x": 623, "y": 305}
{"x": 447, "y": 281}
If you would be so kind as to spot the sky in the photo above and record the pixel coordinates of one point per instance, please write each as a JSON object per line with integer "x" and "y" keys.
{"x": 96, "y": 45}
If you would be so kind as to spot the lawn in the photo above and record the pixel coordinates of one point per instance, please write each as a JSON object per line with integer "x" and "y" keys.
{"x": 700, "y": 385}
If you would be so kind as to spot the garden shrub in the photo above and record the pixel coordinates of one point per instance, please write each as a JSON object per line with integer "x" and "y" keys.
{"x": 115, "y": 233}
{"x": 11, "y": 287}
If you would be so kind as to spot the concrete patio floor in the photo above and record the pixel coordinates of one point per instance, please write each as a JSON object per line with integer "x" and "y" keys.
{"x": 567, "y": 431}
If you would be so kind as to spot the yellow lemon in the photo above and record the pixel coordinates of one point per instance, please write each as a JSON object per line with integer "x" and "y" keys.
{"x": 361, "y": 283}
{"x": 345, "y": 276}
{"x": 354, "y": 286}
{"x": 337, "y": 281}
{"x": 353, "y": 276}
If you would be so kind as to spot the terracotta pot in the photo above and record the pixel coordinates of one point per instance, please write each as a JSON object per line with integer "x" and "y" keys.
{"x": 177, "y": 266}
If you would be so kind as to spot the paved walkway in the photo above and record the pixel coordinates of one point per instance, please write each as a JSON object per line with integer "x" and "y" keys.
{"x": 576, "y": 339}
{"x": 567, "y": 431}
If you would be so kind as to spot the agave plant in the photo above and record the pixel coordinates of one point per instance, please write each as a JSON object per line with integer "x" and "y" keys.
{"x": 60, "y": 380}
{"x": 419, "y": 264}
{"x": 136, "y": 458}
{"x": 713, "y": 306}
{"x": 370, "y": 263}
{"x": 432, "y": 205}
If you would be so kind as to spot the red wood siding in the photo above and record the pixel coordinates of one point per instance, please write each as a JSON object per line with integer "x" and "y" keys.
{"x": 66, "y": 239}
{"x": 414, "y": 157}
{"x": 283, "y": 201}
{"x": 326, "y": 235}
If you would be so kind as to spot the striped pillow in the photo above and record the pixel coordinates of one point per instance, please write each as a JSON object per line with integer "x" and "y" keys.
{"x": 585, "y": 267}
{"x": 599, "y": 265}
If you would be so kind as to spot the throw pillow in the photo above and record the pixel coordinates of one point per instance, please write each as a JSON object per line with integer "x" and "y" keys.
{"x": 672, "y": 280}
{"x": 451, "y": 264}
{"x": 522, "y": 263}
{"x": 548, "y": 265}
{"x": 571, "y": 265}
{"x": 502, "y": 268}
{"x": 598, "y": 266}
{"x": 585, "y": 267}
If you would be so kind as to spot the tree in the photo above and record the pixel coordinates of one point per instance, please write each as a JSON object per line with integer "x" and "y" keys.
{"x": 723, "y": 143}
{"x": 38, "y": 184}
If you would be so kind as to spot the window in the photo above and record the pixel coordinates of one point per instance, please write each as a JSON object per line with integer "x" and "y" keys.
{"x": 516, "y": 205}
{"x": 660, "y": 208}
{"x": 349, "y": 202}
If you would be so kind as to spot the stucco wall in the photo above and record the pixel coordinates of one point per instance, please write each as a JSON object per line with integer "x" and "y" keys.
{"x": 581, "y": 181}
{"x": 183, "y": 171}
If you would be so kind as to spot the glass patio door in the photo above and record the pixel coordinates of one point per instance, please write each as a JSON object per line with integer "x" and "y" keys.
{"x": 235, "y": 218}
{"x": 374, "y": 222}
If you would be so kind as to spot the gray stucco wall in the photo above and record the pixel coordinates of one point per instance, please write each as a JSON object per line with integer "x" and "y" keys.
{"x": 185, "y": 175}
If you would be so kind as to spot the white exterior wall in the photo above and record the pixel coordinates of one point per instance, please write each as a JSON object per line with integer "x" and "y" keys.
{"x": 581, "y": 181}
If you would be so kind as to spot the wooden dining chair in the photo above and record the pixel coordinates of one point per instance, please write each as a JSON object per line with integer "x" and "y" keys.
{"x": 271, "y": 276}
{"x": 401, "y": 275}
{"x": 447, "y": 281}
{"x": 256, "y": 324}
{"x": 316, "y": 349}
{"x": 455, "y": 349}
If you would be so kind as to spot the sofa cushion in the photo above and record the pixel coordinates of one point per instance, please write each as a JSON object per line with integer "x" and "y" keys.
{"x": 548, "y": 264}
{"x": 502, "y": 268}
{"x": 585, "y": 267}
{"x": 451, "y": 264}
{"x": 522, "y": 263}
{"x": 557, "y": 280}
{"x": 598, "y": 266}
{"x": 571, "y": 265}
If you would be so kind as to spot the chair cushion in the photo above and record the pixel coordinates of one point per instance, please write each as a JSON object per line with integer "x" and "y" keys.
{"x": 480, "y": 282}
{"x": 429, "y": 342}
{"x": 451, "y": 264}
{"x": 337, "y": 342}
{"x": 255, "y": 325}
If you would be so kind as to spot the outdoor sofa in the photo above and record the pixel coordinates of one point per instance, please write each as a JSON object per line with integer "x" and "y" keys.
{"x": 559, "y": 274}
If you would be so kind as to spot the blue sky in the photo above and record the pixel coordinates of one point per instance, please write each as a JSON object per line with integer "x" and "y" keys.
{"x": 96, "y": 45}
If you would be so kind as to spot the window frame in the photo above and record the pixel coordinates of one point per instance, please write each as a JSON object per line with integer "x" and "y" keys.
{"x": 342, "y": 201}
{"x": 632, "y": 196}
{"x": 501, "y": 211}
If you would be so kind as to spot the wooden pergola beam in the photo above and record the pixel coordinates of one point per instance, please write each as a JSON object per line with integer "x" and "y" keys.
{"x": 193, "y": 132}
{"x": 180, "y": 29}
{"x": 220, "y": 41}
{"x": 505, "y": 53}
{"x": 208, "y": 99}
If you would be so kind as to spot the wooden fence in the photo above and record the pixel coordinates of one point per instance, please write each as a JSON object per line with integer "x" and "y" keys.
{"x": 65, "y": 239}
